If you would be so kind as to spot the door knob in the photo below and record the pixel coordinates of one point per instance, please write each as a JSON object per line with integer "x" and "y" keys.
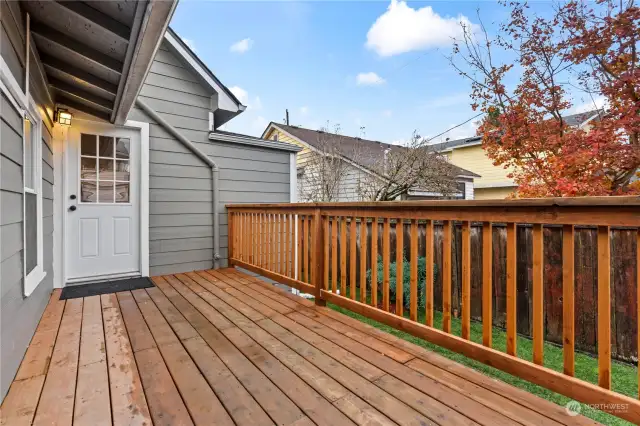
{"x": 72, "y": 196}
{"x": 72, "y": 208}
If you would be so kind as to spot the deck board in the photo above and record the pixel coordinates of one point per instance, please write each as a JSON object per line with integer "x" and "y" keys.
{"x": 225, "y": 345}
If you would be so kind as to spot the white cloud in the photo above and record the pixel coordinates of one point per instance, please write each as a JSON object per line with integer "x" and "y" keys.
{"x": 369, "y": 79}
{"x": 245, "y": 99}
{"x": 241, "y": 46}
{"x": 403, "y": 29}
{"x": 304, "y": 110}
{"x": 240, "y": 93}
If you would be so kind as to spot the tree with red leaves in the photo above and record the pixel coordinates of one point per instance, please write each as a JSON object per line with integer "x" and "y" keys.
{"x": 591, "y": 49}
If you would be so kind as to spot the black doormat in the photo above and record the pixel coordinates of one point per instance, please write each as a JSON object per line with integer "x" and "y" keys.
{"x": 105, "y": 287}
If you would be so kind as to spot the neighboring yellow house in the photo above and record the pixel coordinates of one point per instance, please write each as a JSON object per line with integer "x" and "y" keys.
{"x": 493, "y": 183}
{"x": 468, "y": 154}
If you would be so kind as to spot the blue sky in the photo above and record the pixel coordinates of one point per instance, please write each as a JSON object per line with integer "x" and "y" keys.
{"x": 307, "y": 57}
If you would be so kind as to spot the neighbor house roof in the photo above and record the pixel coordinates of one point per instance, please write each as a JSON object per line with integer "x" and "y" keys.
{"x": 364, "y": 152}
{"x": 573, "y": 120}
{"x": 220, "y": 135}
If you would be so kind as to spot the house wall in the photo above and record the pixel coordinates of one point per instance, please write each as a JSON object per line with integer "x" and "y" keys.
{"x": 180, "y": 192}
{"x": 474, "y": 158}
{"x": 19, "y": 316}
{"x": 493, "y": 193}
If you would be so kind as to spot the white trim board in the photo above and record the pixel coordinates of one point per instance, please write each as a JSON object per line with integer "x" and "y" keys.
{"x": 60, "y": 142}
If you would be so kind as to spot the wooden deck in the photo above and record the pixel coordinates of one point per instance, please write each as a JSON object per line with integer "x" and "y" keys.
{"x": 221, "y": 347}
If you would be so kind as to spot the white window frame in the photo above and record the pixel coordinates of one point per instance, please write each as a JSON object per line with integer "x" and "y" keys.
{"x": 26, "y": 107}
{"x": 35, "y": 277}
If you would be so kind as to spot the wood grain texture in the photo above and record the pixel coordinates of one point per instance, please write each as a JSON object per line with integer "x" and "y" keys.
{"x": 538, "y": 294}
{"x": 568, "y": 314}
{"x": 385, "y": 264}
{"x": 352, "y": 257}
{"x": 487, "y": 283}
{"x": 413, "y": 279}
{"x": 512, "y": 294}
{"x": 430, "y": 261}
{"x": 446, "y": 276}
{"x": 334, "y": 255}
{"x": 466, "y": 280}
{"x": 374, "y": 261}
{"x": 399, "y": 268}
{"x": 604, "y": 308}
{"x": 363, "y": 259}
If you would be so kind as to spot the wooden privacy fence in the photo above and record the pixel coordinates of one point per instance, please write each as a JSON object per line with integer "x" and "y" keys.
{"x": 477, "y": 255}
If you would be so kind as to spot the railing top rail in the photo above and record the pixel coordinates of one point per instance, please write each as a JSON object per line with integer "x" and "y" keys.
{"x": 604, "y": 211}
{"x": 619, "y": 201}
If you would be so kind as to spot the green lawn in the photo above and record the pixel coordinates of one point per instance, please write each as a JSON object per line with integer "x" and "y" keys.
{"x": 624, "y": 376}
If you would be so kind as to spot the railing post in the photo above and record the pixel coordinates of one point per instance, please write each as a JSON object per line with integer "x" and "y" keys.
{"x": 230, "y": 237}
{"x": 317, "y": 258}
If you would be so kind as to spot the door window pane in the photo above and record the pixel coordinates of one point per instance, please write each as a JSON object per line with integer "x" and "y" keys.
{"x": 88, "y": 191}
{"x": 122, "y": 147}
{"x": 105, "y": 170}
{"x": 106, "y": 146}
{"x": 88, "y": 168}
{"x": 122, "y": 192}
{"x": 105, "y": 192}
{"x": 122, "y": 170}
{"x": 88, "y": 144}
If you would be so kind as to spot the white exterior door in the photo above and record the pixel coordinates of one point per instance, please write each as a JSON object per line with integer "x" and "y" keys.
{"x": 103, "y": 203}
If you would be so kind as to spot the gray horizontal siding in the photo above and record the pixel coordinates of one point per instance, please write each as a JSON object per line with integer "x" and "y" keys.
{"x": 19, "y": 316}
{"x": 180, "y": 196}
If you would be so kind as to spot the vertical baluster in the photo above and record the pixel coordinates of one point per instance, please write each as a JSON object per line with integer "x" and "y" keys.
{"x": 343, "y": 256}
{"x": 318, "y": 260}
{"x": 334, "y": 255}
{"x": 300, "y": 247}
{"x": 306, "y": 247}
{"x": 246, "y": 236}
{"x": 511, "y": 288}
{"x": 252, "y": 241}
{"x": 538, "y": 294}
{"x": 325, "y": 245}
{"x": 604, "y": 308}
{"x": 260, "y": 240}
{"x": 287, "y": 245}
{"x": 446, "y": 276}
{"x": 273, "y": 242}
{"x": 239, "y": 230}
{"x": 413, "y": 295}
{"x": 638, "y": 298}
{"x": 399, "y": 268}
{"x": 487, "y": 284}
{"x": 352, "y": 258}
{"x": 385, "y": 264}
{"x": 363, "y": 260}
{"x": 231, "y": 217}
{"x": 568, "y": 321}
{"x": 429, "y": 260}
{"x": 466, "y": 280}
{"x": 374, "y": 262}
{"x": 281, "y": 270}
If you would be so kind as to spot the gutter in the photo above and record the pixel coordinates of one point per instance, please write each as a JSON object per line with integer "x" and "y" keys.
{"x": 215, "y": 173}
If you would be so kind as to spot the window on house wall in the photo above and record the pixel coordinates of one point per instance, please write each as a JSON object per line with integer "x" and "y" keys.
{"x": 32, "y": 178}
{"x": 275, "y": 136}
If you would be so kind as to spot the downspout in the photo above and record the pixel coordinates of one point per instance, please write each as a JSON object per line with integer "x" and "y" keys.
{"x": 214, "y": 173}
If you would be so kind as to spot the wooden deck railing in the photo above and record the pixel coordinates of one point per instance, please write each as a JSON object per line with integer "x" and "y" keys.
{"x": 313, "y": 248}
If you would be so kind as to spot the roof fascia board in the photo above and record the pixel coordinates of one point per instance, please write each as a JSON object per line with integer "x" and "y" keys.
{"x": 282, "y": 146}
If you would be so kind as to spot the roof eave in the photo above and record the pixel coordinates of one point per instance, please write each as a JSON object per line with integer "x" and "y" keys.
{"x": 152, "y": 22}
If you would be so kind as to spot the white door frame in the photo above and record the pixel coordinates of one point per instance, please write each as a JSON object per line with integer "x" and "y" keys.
{"x": 61, "y": 176}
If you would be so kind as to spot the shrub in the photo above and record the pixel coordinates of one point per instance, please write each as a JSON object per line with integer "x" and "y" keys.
{"x": 406, "y": 280}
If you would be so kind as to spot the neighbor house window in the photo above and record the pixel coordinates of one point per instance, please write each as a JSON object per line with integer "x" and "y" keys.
{"x": 32, "y": 178}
